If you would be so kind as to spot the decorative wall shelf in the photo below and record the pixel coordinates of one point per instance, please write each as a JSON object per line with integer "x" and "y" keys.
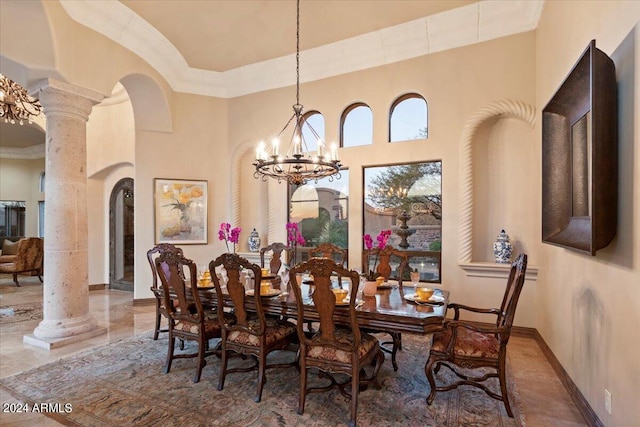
{"x": 495, "y": 270}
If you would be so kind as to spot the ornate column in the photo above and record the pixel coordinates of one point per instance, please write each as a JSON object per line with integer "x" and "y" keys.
{"x": 66, "y": 316}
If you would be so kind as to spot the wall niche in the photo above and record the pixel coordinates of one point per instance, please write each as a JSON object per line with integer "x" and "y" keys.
{"x": 580, "y": 157}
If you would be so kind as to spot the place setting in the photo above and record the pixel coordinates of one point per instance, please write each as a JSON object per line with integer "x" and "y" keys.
{"x": 427, "y": 296}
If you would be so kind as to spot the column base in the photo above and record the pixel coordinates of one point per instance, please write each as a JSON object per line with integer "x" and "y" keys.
{"x": 51, "y": 343}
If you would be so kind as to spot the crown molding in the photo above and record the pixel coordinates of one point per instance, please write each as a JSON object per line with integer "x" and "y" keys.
{"x": 26, "y": 153}
{"x": 471, "y": 24}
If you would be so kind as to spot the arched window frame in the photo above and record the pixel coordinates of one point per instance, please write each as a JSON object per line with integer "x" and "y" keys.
{"x": 41, "y": 182}
{"x": 398, "y": 101}
{"x": 344, "y": 115}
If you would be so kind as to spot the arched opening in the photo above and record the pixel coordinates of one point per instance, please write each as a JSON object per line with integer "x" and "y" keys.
{"x": 121, "y": 236}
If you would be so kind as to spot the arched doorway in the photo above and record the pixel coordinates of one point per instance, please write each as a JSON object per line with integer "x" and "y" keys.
{"x": 121, "y": 236}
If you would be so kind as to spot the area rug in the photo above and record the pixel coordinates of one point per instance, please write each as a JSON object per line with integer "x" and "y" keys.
{"x": 20, "y": 313}
{"x": 123, "y": 384}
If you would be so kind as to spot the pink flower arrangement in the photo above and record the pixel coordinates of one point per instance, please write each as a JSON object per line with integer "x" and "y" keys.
{"x": 294, "y": 238}
{"x": 228, "y": 234}
{"x": 382, "y": 240}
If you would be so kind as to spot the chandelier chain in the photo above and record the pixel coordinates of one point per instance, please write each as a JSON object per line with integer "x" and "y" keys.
{"x": 298, "y": 52}
{"x": 297, "y": 165}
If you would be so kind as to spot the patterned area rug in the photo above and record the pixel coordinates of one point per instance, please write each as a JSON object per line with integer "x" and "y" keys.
{"x": 123, "y": 384}
{"x": 20, "y": 313}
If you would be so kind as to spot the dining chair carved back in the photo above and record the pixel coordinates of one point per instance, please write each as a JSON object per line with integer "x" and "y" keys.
{"x": 276, "y": 250}
{"x": 333, "y": 348}
{"x": 158, "y": 293}
{"x": 464, "y": 344}
{"x": 387, "y": 258}
{"x": 331, "y": 251}
{"x": 391, "y": 262}
{"x": 252, "y": 333}
{"x": 188, "y": 319}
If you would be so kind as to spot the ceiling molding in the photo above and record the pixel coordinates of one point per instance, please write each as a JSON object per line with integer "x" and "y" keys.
{"x": 25, "y": 153}
{"x": 475, "y": 23}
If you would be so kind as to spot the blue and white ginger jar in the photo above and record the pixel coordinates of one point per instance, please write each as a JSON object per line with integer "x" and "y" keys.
{"x": 502, "y": 248}
{"x": 254, "y": 241}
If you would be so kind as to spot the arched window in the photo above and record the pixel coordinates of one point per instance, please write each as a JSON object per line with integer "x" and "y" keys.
{"x": 356, "y": 125}
{"x": 41, "y": 183}
{"x": 408, "y": 118}
{"x": 316, "y": 121}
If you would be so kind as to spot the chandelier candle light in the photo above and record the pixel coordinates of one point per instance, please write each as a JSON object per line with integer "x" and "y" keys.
{"x": 296, "y": 165}
{"x": 15, "y": 103}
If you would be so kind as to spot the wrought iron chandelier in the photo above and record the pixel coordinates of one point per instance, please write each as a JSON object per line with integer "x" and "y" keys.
{"x": 15, "y": 103}
{"x": 297, "y": 165}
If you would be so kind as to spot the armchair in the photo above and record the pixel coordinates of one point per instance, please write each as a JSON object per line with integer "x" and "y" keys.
{"x": 29, "y": 257}
{"x": 464, "y": 344}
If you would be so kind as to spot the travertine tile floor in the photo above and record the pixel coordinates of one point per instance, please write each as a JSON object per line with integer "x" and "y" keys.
{"x": 545, "y": 400}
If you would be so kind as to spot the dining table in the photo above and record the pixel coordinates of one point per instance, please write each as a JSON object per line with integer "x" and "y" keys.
{"x": 393, "y": 308}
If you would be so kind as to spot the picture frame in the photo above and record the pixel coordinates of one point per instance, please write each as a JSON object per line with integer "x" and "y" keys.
{"x": 180, "y": 211}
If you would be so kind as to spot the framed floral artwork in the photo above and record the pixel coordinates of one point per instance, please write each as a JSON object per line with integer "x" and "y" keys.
{"x": 180, "y": 211}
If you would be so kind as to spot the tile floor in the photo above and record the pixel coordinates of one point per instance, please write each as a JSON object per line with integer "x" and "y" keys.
{"x": 545, "y": 400}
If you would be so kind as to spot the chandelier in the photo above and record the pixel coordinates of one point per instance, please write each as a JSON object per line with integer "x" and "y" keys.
{"x": 15, "y": 103}
{"x": 297, "y": 165}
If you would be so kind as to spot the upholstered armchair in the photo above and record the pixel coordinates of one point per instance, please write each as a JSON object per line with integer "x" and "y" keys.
{"x": 29, "y": 258}
{"x": 470, "y": 345}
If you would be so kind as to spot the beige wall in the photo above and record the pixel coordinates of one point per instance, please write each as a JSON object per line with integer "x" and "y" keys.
{"x": 110, "y": 158}
{"x": 455, "y": 84}
{"x": 589, "y": 307}
{"x": 195, "y": 150}
{"x": 20, "y": 180}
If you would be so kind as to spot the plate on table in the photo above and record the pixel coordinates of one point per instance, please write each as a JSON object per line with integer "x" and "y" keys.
{"x": 385, "y": 285}
{"x": 434, "y": 299}
{"x": 271, "y": 293}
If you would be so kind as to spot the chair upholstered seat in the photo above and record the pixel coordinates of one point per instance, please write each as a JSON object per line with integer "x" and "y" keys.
{"x": 471, "y": 345}
{"x": 316, "y": 350}
{"x": 253, "y": 333}
{"x": 158, "y": 292}
{"x": 212, "y": 327}
{"x": 28, "y": 258}
{"x": 336, "y": 348}
{"x": 275, "y": 330}
{"x": 188, "y": 319}
{"x": 468, "y": 343}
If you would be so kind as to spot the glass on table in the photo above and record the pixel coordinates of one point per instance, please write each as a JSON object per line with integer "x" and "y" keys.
{"x": 284, "y": 281}
{"x": 415, "y": 277}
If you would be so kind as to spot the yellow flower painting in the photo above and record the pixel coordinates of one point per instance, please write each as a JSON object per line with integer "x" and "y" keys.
{"x": 180, "y": 211}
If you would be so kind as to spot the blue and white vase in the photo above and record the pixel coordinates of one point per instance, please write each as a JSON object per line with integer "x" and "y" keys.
{"x": 254, "y": 241}
{"x": 502, "y": 248}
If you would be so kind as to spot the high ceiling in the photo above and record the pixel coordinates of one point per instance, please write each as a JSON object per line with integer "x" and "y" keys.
{"x": 211, "y": 47}
{"x": 220, "y": 35}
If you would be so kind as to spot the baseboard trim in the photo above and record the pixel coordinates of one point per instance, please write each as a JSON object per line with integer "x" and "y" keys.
{"x": 97, "y": 287}
{"x": 578, "y": 398}
{"x": 143, "y": 301}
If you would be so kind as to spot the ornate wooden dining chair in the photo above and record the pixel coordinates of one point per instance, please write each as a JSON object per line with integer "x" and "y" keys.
{"x": 158, "y": 293}
{"x": 333, "y": 349}
{"x": 188, "y": 319}
{"x": 252, "y": 333}
{"x": 471, "y": 345}
{"x": 276, "y": 249}
{"x": 387, "y": 259}
{"x": 331, "y": 251}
